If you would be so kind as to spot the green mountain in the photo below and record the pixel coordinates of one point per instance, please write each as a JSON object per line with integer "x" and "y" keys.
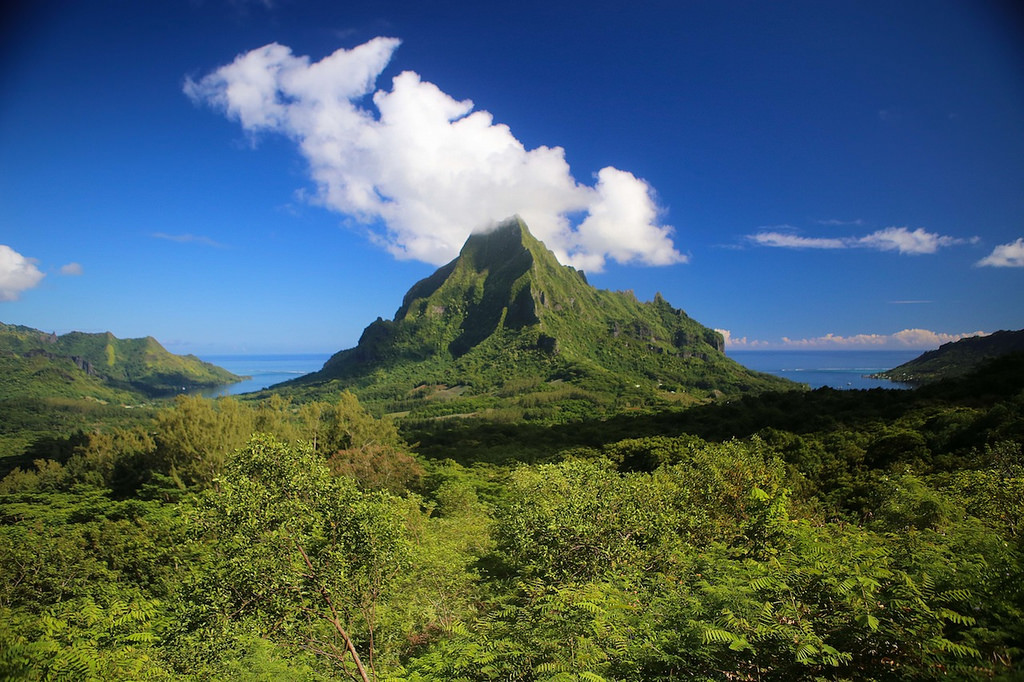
{"x": 956, "y": 358}
{"x": 506, "y": 325}
{"x": 99, "y": 363}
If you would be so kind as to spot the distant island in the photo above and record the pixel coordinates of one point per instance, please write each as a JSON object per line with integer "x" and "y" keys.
{"x": 955, "y": 359}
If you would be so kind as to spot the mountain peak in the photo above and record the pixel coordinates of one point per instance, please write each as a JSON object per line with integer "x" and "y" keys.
{"x": 510, "y": 230}
{"x": 502, "y": 255}
{"x": 506, "y": 241}
{"x": 505, "y": 311}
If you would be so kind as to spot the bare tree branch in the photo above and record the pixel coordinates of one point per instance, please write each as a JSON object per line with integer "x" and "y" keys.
{"x": 334, "y": 620}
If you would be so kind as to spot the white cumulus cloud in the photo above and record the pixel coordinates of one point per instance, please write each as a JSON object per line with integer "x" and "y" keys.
{"x": 741, "y": 342}
{"x": 421, "y": 170}
{"x": 72, "y": 269}
{"x": 17, "y": 273}
{"x": 1005, "y": 256}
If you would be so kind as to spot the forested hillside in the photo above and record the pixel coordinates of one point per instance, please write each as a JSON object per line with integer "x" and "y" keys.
{"x": 956, "y": 358}
{"x": 841, "y": 535}
{"x": 134, "y": 365}
{"x": 52, "y": 385}
{"x": 507, "y": 332}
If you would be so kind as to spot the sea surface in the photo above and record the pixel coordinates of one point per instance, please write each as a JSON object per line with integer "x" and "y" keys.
{"x": 265, "y": 370}
{"x": 844, "y": 369}
{"x": 837, "y": 369}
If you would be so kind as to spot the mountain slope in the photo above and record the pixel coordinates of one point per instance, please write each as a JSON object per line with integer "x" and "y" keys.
{"x": 956, "y": 358}
{"x": 505, "y": 319}
{"x": 139, "y": 365}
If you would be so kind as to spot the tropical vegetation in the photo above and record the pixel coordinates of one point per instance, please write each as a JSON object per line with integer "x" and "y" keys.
{"x": 794, "y": 535}
{"x": 519, "y": 477}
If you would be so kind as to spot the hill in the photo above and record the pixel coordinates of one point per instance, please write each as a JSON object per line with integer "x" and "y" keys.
{"x": 956, "y": 358}
{"x": 52, "y": 385}
{"x": 136, "y": 365}
{"x": 505, "y": 326}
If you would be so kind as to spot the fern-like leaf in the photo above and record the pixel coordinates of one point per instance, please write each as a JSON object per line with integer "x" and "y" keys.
{"x": 955, "y": 617}
{"x": 805, "y": 652}
{"x": 717, "y": 635}
{"x": 591, "y": 607}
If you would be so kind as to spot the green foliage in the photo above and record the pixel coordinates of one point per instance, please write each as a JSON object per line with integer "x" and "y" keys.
{"x": 197, "y": 435}
{"x": 713, "y": 493}
{"x": 85, "y": 583}
{"x": 43, "y": 401}
{"x": 83, "y": 640}
{"x": 792, "y": 536}
{"x": 995, "y": 495}
{"x": 59, "y": 546}
{"x": 296, "y": 550}
{"x": 792, "y": 601}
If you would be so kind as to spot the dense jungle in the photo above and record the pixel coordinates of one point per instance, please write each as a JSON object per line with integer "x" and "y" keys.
{"x": 841, "y": 535}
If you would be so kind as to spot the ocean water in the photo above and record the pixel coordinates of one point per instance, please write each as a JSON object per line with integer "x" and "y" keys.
{"x": 265, "y": 370}
{"x": 844, "y": 369}
{"x": 836, "y": 369}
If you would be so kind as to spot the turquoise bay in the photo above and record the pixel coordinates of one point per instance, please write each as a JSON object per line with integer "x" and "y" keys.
{"x": 264, "y": 370}
{"x": 845, "y": 369}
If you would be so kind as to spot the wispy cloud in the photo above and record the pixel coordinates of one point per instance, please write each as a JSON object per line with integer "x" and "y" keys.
{"x": 891, "y": 114}
{"x": 904, "y": 240}
{"x": 788, "y": 240}
{"x": 907, "y": 339}
{"x": 188, "y": 239}
{"x": 1005, "y": 256}
{"x": 72, "y": 269}
{"x": 242, "y": 6}
{"x": 17, "y": 273}
{"x": 910, "y": 302}
{"x": 900, "y": 239}
{"x": 840, "y": 223}
{"x": 420, "y": 170}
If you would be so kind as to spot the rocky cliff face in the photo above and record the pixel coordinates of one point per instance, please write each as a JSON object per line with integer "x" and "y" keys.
{"x": 78, "y": 361}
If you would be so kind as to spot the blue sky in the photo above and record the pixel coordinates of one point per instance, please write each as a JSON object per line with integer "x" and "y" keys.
{"x": 233, "y": 176}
